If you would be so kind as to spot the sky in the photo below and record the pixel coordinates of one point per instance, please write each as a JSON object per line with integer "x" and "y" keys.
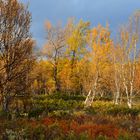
{"x": 114, "y": 12}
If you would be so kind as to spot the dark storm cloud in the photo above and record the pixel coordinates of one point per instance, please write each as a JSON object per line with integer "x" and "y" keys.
{"x": 115, "y": 12}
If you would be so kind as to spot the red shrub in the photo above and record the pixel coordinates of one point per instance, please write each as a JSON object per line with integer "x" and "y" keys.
{"x": 74, "y": 126}
{"x": 64, "y": 125}
{"x": 33, "y": 123}
{"x": 94, "y": 130}
{"x": 107, "y": 130}
{"x": 48, "y": 121}
{"x": 82, "y": 119}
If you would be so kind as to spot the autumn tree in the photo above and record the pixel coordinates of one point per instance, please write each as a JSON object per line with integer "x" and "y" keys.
{"x": 117, "y": 54}
{"x": 42, "y": 75}
{"x": 16, "y": 46}
{"x": 54, "y": 49}
{"x": 137, "y": 77}
{"x": 64, "y": 48}
{"x": 76, "y": 50}
{"x": 101, "y": 43}
{"x": 77, "y": 41}
{"x": 129, "y": 39}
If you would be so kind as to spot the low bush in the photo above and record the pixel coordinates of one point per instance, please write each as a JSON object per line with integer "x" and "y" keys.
{"x": 66, "y": 97}
{"x": 5, "y": 115}
{"x": 54, "y": 132}
{"x": 52, "y": 128}
{"x": 53, "y": 105}
{"x": 39, "y": 97}
{"x": 122, "y": 110}
{"x": 101, "y": 137}
{"x": 35, "y": 112}
{"x": 90, "y": 111}
{"x": 39, "y": 132}
{"x": 73, "y": 136}
{"x": 126, "y": 136}
{"x": 108, "y": 108}
{"x": 60, "y": 114}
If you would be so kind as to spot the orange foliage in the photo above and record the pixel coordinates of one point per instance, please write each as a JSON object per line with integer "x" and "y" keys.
{"x": 94, "y": 130}
{"x": 48, "y": 121}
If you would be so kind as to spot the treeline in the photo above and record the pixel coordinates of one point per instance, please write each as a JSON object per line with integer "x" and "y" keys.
{"x": 79, "y": 59}
{"x": 76, "y": 59}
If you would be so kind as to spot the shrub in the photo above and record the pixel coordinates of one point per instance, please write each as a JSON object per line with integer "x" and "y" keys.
{"x": 94, "y": 130}
{"x": 22, "y": 134}
{"x": 102, "y": 104}
{"x": 53, "y": 104}
{"x": 90, "y": 110}
{"x": 103, "y": 98}
{"x": 39, "y": 132}
{"x": 101, "y": 137}
{"x": 66, "y": 97}
{"x": 35, "y": 112}
{"x": 108, "y": 108}
{"x": 122, "y": 110}
{"x": 54, "y": 132}
{"x": 73, "y": 136}
{"x": 39, "y": 97}
{"x": 48, "y": 121}
{"x": 126, "y": 136}
{"x": 60, "y": 114}
{"x": 5, "y": 115}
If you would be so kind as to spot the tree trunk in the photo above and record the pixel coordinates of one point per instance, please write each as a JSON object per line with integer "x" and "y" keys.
{"x": 87, "y": 102}
{"x": 129, "y": 103}
{"x": 5, "y": 104}
{"x": 117, "y": 98}
{"x": 57, "y": 86}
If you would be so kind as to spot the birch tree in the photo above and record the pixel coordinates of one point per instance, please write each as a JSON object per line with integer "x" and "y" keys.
{"x": 129, "y": 37}
{"x": 116, "y": 58}
{"x": 101, "y": 44}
